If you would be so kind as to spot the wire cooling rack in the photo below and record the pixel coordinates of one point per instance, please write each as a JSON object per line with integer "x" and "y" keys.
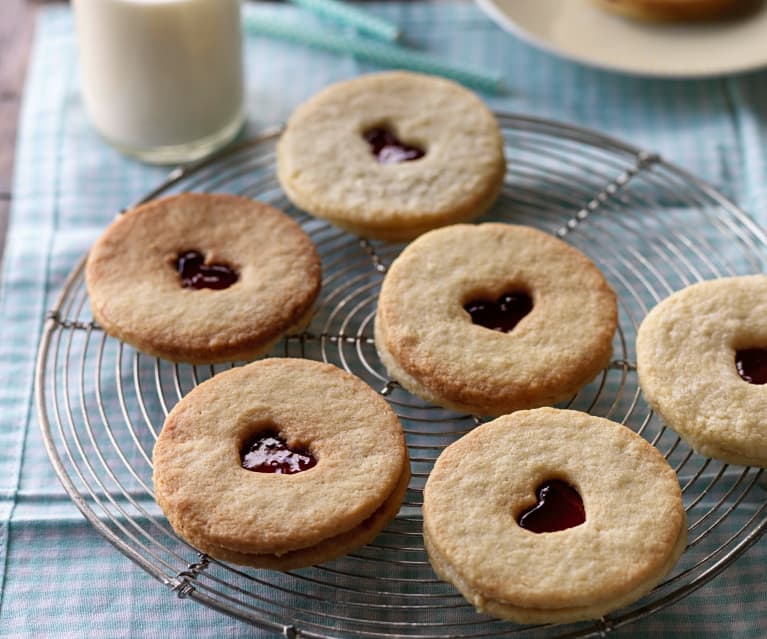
{"x": 650, "y": 227}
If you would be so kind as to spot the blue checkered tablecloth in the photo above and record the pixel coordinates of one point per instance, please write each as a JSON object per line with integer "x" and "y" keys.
{"x": 59, "y": 578}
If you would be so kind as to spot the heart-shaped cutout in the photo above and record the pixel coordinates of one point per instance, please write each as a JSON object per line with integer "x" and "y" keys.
{"x": 195, "y": 273}
{"x": 751, "y": 364}
{"x": 502, "y": 314}
{"x": 267, "y": 452}
{"x": 388, "y": 149}
{"x": 559, "y": 507}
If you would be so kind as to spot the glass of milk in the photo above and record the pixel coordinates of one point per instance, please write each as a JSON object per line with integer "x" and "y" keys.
{"x": 162, "y": 79}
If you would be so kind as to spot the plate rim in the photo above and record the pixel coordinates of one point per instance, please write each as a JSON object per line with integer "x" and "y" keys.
{"x": 497, "y": 14}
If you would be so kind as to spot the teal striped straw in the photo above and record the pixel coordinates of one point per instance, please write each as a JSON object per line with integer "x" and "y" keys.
{"x": 351, "y": 16}
{"x": 381, "y": 53}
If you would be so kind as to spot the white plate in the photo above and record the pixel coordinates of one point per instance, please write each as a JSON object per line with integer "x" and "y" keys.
{"x": 579, "y": 30}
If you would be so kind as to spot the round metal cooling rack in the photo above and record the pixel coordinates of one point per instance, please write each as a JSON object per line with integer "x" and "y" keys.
{"x": 650, "y": 227}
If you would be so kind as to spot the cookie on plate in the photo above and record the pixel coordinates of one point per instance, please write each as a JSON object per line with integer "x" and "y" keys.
{"x": 702, "y": 365}
{"x": 203, "y": 278}
{"x": 391, "y": 155}
{"x": 563, "y": 516}
{"x": 677, "y": 10}
{"x": 280, "y": 464}
{"x": 494, "y": 317}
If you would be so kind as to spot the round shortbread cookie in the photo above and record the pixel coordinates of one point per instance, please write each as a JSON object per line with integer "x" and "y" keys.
{"x": 429, "y": 343}
{"x": 137, "y": 292}
{"x": 687, "y": 351}
{"x": 327, "y": 166}
{"x": 633, "y": 534}
{"x": 281, "y": 520}
{"x": 677, "y": 10}
{"x": 325, "y": 550}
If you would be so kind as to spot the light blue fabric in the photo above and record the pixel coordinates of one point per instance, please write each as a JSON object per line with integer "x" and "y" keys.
{"x": 60, "y": 578}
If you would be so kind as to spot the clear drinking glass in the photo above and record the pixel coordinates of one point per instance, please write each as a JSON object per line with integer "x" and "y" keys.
{"x": 162, "y": 80}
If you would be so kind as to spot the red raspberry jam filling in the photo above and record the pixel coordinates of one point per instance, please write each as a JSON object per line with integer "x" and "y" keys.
{"x": 267, "y": 452}
{"x": 501, "y": 315}
{"x": 195, "y": 273}
{"x": 559, "y": 507}
{"x": 752, "y": 365}
{"x": 388, "y": 149}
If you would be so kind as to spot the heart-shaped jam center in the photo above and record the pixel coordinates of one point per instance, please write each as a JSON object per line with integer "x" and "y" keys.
{"x": 559, "y": 507}
{"x": 195, "y": 273}
{"x": 502, "y": 314}
{"x": 267, "y": 452}
{"x": 751, "y": 364}
{"x": 388, "y": 149}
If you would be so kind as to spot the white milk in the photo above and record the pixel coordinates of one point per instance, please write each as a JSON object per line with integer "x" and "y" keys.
{"x": 162, "y": 79}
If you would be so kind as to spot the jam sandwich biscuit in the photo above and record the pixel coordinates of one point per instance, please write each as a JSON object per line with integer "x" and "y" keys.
{"x": 702, "y": 365}
{"x": 280, "y": 464}
{"x": 391, "y": 155}
{"x": 492, "y": 318}
{"x": 563, "y": 516}
{"x": 203, "y": 278}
